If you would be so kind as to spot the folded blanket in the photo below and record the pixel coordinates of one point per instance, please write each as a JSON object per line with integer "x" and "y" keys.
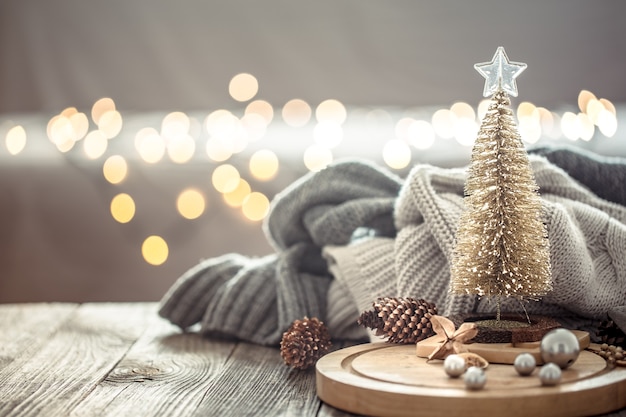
{"x": 378, "y": 235}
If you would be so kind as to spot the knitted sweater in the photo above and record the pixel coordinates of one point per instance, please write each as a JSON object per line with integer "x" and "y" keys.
{"x": 377, "y": 235}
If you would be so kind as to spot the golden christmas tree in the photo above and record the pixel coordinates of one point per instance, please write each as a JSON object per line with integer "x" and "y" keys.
{"x": 501, "y": 247}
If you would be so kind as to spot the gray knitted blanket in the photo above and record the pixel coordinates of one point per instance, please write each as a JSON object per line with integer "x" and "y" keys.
{"x": 354, "y": 232}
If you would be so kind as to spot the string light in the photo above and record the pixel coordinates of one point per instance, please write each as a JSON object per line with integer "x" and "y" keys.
{"x": 15, "y": 139}
{"x": 155, "y": 250}
{"x": 115, "y": 169}
{"x": 191, "y": 203}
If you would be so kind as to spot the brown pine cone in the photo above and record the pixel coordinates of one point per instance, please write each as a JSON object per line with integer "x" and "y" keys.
{"x": 304, "y": 343}
{"x": 400, "y": 320}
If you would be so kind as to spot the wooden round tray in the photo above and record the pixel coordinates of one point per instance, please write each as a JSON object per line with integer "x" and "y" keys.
{"x": 381, "y": 379}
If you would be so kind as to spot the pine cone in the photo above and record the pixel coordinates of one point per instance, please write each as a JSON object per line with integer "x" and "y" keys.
{"x": 611, "y": 334}
{"x": 304, "y": 343}
{"x": 401, "y": 320}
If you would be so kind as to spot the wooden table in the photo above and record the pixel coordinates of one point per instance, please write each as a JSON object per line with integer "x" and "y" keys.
{"x": 123, "y": 360}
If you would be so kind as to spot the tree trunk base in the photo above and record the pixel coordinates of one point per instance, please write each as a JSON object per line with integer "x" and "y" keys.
{"x": 512, "y": 328}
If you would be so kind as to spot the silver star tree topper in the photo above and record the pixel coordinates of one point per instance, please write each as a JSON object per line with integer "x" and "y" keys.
{"x": 500, "y": 74}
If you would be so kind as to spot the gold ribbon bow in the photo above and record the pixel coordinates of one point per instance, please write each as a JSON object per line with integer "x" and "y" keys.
{"x": 451, "y": 339}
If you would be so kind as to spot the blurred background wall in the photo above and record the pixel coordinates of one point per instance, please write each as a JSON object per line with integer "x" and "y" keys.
{"x": 163, "y": 54}
{"x": 384, "y": 66}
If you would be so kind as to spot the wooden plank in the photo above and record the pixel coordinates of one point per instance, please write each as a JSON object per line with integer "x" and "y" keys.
{"x": 77, "y": 357}
{"x": 24, "y": 328}
{"x": 165, "y": 373}
{"x": 255, "y": 381}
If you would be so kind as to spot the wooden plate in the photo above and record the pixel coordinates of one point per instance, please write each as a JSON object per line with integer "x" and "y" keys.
{"x": 380, "y": 379}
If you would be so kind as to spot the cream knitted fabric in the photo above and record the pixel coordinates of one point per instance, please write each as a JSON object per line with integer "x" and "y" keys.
{"x": 587, "y": 243}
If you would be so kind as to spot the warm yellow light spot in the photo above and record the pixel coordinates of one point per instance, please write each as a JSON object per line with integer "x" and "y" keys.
{"x": 583, "y": 99}
{"x": 115, "y": 169}
{"x": 69, "y": 112}
{"x": 100, "y": 107}
{"x": 463, "y": 110}
{"x": 243, "y": 87}
{"x": 255, "y": 206}
{"x": 225, "y": 178}
{"x": 221, "y": 123}
{"x": 296, "y": 112}
{"x": 608, "y": 106}
{"x": 110, "y": 123}
{"x": 80, "y": 125}
{"x": 262, "y": 108}
{"x": 95, "y": 144}
{"x": 155, "y": 250}
{"x": 331, "y": 111}
{"x": 236, "y": 197}
{"x": 60, "y": 130}
{"x": 594, "y": 107}
{"x": 254, "y": 126}
{"x": 123, "y": 208}
{"x": 263, "y": 165}
{"x": 150, "y": 145}
{"x": 421, "y": 134}
{"x": 465, "y": 131}
{"x": 402, "y": 127}
{"x": 317, "y": 157}
{"x": 190, "y": 203}
{"x": 15, "y": 139}
{"x": 217, "y": 150}
{"x": 569, "y": 125}
{"x": 443, "y": 123}
{"x": 525, "y": 109}
{"x": 585, "y": 127}
{"x": 483, "y": 106}
{"x": 328, "y": 134}
{"x": 607, "y": 123}
{"x": 396, "y": 154}
{"x": 175, "y": 126}
{"x": 181, "y": 150}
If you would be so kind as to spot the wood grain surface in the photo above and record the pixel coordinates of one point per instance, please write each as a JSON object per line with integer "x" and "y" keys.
{"x": 381, "y": 379}
{"x": 123, "y": 360}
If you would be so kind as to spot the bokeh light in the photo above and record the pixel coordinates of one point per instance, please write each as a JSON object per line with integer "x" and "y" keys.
{"x": 255, "y": 206}
{"x": 243, "y": 87}
{"x": 181, "y": 149}
{"x": 317, "y": 157}
{"x": 420, "y": 134}
{"x": 110, "y": 123}
{"x": 123, "y": 208}
{"x": 332, "y": 111}
{"x": 261, "y": 108}
{"x": 328, "y": 134}
{"x": 296, "y": 113}
{"x": 100, "y": 107}
{"x": 150, "y": 145}
{"x": 175, "y": 126}
{"x": 15, "y": 139}
{"x": 443, "y": 123}
{"x": 95, "y": 144}
{"x": 191, "y": 203}
{"x": 396, "y": 154}
{"x": 236, "y": 197}
{"x": 155, "y": 250}
{"x": 225, "y": 178}
{"x": 115, "y": 169}
{"x": 264, "y": 165}
{"x": 217, "y": 150}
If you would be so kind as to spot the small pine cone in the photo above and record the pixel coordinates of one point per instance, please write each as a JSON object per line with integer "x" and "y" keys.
{"x": 401, "y": 320}
{"x": 611, "y": 334}
{"x": 304, "y": 343}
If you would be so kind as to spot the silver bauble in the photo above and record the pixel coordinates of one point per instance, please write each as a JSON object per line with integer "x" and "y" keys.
{"x": 560, "y": 346}
{"x": 474, "y": 378}
{"x": 525, "y": 364}
{"x": 454, "y": 365}
{"x": 550, "y": 374}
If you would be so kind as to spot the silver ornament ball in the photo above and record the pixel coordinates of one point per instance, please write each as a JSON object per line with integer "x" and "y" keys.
{"x": 550, "y": 374}
{"x": 560, "y": 346}
{"x": 525, "y": 364}
{"x": 454, "y": 365}
{"x": 474, "y": 378}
